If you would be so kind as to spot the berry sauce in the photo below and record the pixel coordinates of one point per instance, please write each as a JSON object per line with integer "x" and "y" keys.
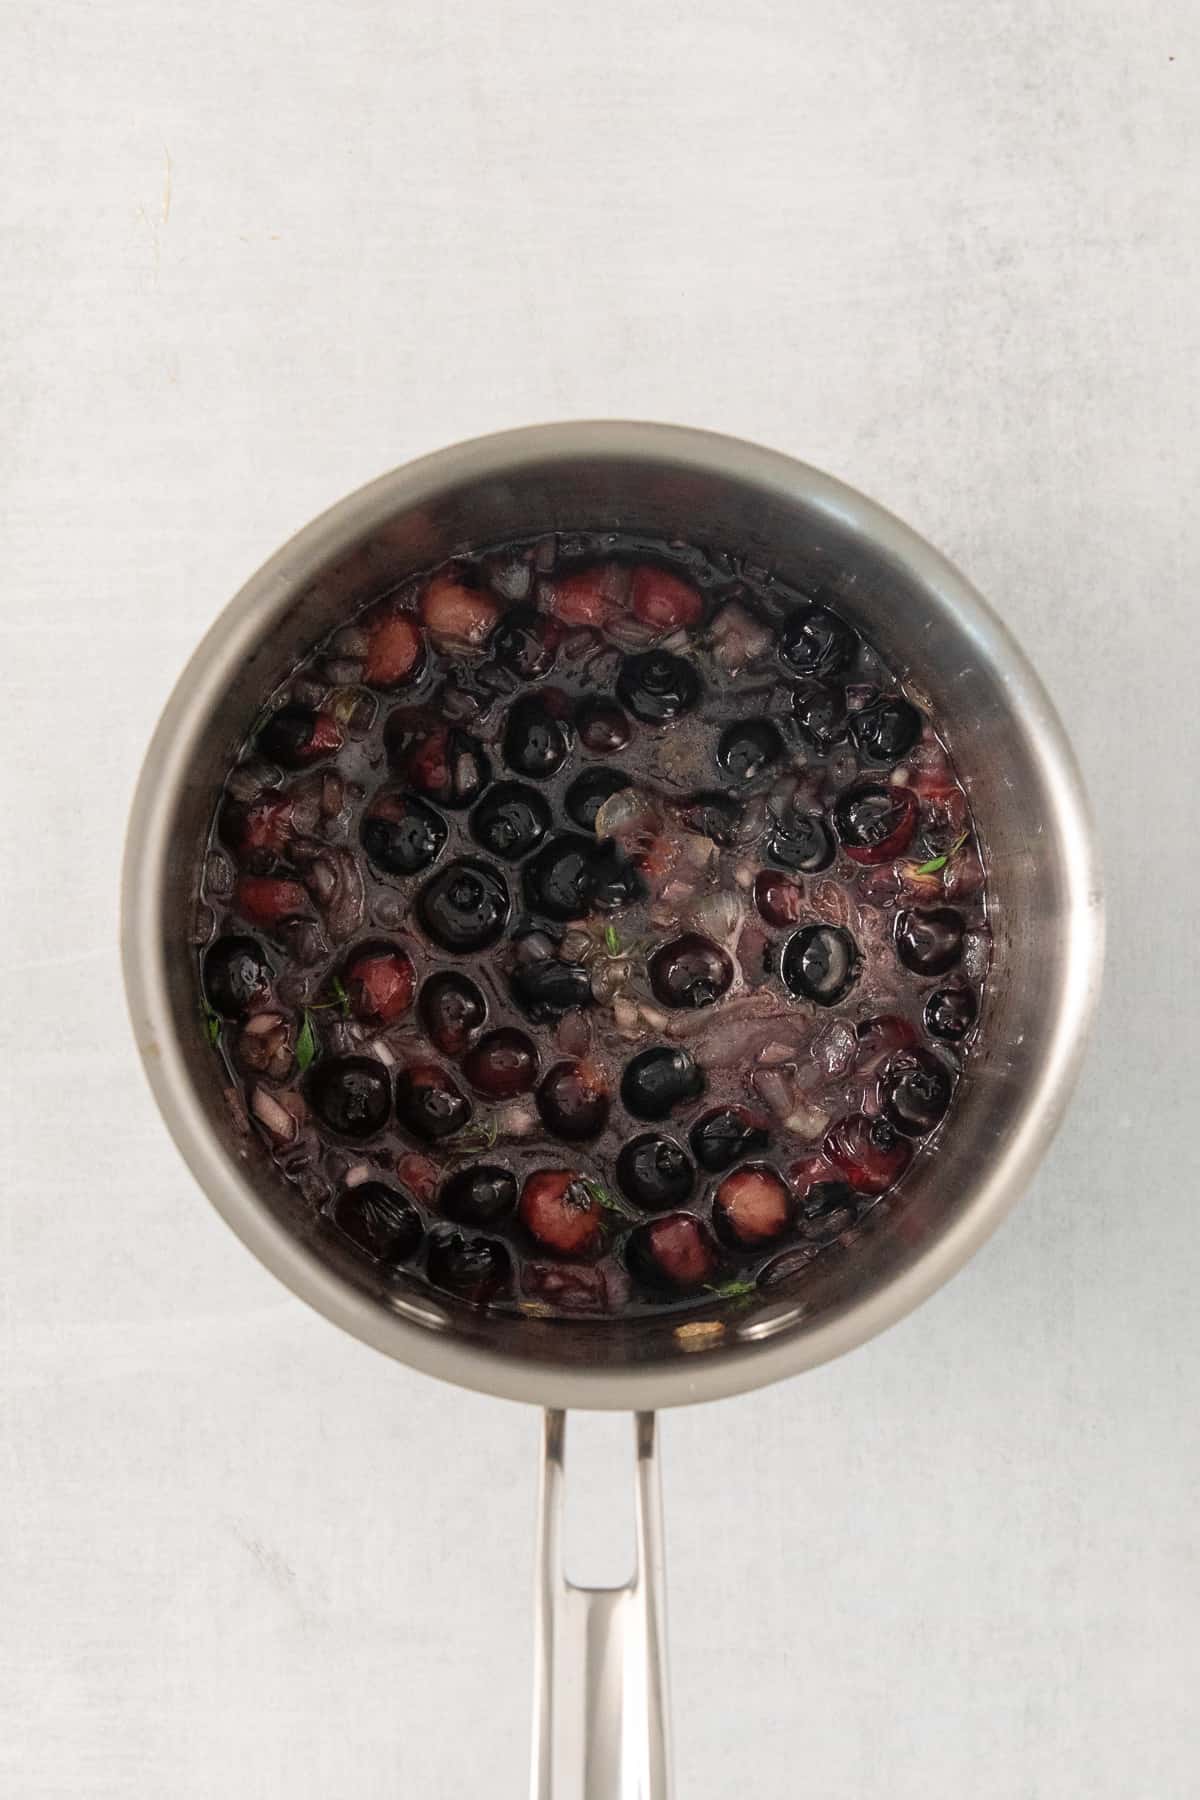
{"x": 593, "y": 926}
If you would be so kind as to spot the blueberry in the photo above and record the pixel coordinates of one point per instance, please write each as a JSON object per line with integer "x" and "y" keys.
{"x": 452, "y": 1010}
{"x": 713, "y": 815}
{"x": 804, "y": 844}
{"x": 475, "y": 1269}
{"x": 690, "y": 971}
{"x": 536, "y": 742}
{"x": 546, "y": 989}
{"x": 510, "y": 820}
{"x": 950, "y": 1013}
{"x": 658, "y": 1080}
{"x": 749, "y": 749}
{"x": 588, "y": 792}
{"x": 821, "y": 715}
{"x": 525, "y": 642}
{"x": 615, "y": 881}
{"x": 916, "y": 1091}
{"x": 464, "y": 907}
{"x": 560, "y": 878}
{"x": 654, "y": 1172}
{"x": 379, "y": 1220}
{"x": 821, "y": 964}
{"x": 479, "y": 1195}
{"x": 296, "y": 735}
{"x": 236, "y": 974}
{"x": 726, "y": 1136}
{"x": 657, "y": 687}
{"x": 830, "y": 1207}
{"x": 929, "y": 941}
{"x": 876, "y": 823}
{"x": 886, "y": 730}
{"x": 502, "y": 1064}
{"x": 573, "y": 1101}
{"x": 814, "y": 641}
{"x": 351, "y": 1095}
{"x": 402, "y": 834}
{"x": 429, "y": 1103}
{"x": 441, "y": 761}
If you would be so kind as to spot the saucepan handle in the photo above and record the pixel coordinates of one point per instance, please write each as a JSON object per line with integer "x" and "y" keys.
{"x": 600, "y": 1724}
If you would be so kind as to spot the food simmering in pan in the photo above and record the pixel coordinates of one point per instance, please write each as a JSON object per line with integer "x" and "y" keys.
{"x": 593, "y": 925}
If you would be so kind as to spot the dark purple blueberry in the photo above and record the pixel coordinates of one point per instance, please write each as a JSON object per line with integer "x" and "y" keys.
{"x": 560, "y": 878}
{"x": 480, "y": 1195}
{"x": 814, "y": 641}
{"x": 672, "y": 1254}
{"x": 713, "y": 815}
{"x": 950, "y": 1013}
{"x": 660, "y": 1079}
{"x": 916, "y": 1091}
{"x": 779, "y": 899}
{"x": 236, "y": 974}
{"x": 352, "y": 1095}
{"x": 803, "y": 843}
{"x": 690, "y": 971}
{"x": 402, "y": 834}
{"x": 502, "y": 1064}
{"x": 748, "y": 750}
{"x": 452, "y": 1010}
{"x": 465, "y": 906}
{"x": 821, "y": 964}
{"x": 588, "y": 792}
{"x": 526, "y": 642}
{"x": 379, "y": 1220}
{"x": 573, "y": 1100}
{"x": 429, "y": 1103}
{"x": 876, "y": 823}
{"x": 654, "y": 1172}
{"x": 510, "y": 820}
{"x": 536, "y": 742}
{"x": 886, "y": 730}
{"x": 657, "y": 687}
{"x": 615, "y": 881}
{"x": 821, "y": 715}
{"x": 546, "y": 989}
{"x": 441, "y": 762}
{"x": 475, "y": 1269}
{"x": 829, "y": 1207}
{"x": 298, "y": 735}
{"x": 929, "y": 941}
{"x": 726, "y": 1136}
{"x": 602, "y": 726}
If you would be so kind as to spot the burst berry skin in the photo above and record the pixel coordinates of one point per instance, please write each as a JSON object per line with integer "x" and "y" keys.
{"x": 753, "y": 1206}
{"x": 664, "y": 601}
{"x": 458, "y": 614}
{"x": 673, "y": 1254}
{"x": 379, "y": 982}
{"x": 868, "y": 1152}
{"x": 395, "y": 651}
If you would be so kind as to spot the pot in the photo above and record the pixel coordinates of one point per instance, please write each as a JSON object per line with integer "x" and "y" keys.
{"x": 600, "y": 1713}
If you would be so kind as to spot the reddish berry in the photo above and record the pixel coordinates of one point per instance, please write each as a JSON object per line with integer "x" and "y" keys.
{"x": 590, "y": 596}
{"x": 870, "y": 1153}
{"x": 458, "y": 614}
{"x": 502, "y": 1065}
{"x": 675, "y": 1252}
{"x": 379, "y": 983}
{"x": 395, "y": 651}
{"x": 878, "y": 1038}
{"x": 778, "y": 898}
{"x": 557, "y": 1209}
{"x": 753, "y": 1205}
{"x": 876, "y": 823}
{"x": 573, "y": 1100}
{"x": 663, "y": 601}
{"x": 267, "y": 900}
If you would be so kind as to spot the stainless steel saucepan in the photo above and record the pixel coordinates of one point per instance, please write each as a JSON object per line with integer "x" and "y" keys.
{"x": 600, "y": 1715}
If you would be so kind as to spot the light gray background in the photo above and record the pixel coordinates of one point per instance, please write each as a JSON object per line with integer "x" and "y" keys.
{"x": 253, "y": 255}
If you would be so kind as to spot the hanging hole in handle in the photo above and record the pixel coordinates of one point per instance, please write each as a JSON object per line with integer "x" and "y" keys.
{"x": 599, "y": 1545}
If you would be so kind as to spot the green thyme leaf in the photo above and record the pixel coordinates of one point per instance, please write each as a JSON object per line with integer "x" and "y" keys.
{"x": 212, "y": 1024}
{"x": 939, "y": 862}
{"x": 609, "y": 1202}
{"x": 306, "y": 1043}
{"x": 612, "y": 940}
{"x": 732, "y": 1290}
{"x": 475, "y": 1137}
{"x": 340, "y": 996}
